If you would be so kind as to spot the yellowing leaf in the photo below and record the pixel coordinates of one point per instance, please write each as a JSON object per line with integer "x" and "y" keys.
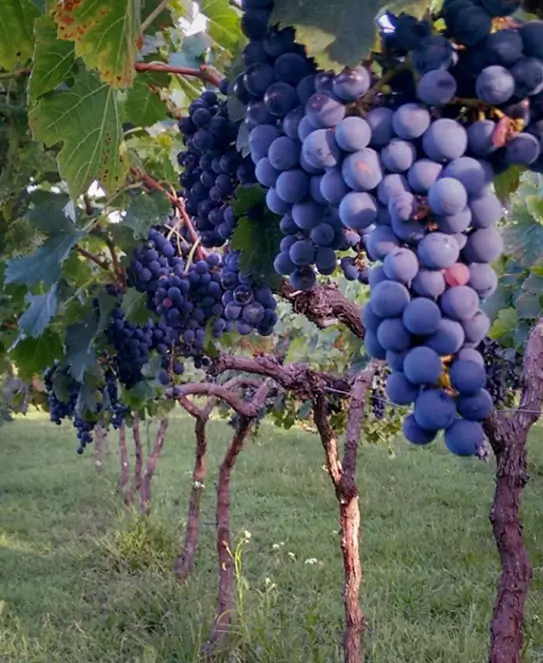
{"x": 85, "y": 118}
{"x": 16, "y": 31}
{"x": 106, "y": 35}
{"x": 53, "y": 59}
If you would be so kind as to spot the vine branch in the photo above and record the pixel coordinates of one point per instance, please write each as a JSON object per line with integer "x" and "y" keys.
{"x": 205, "y": 73}
{"x": 177, "y": 202}
{"x": 101, "y": 262}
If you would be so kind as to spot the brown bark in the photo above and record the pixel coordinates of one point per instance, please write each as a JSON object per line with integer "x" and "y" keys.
{"x": 325, "y": 305}
{"x": 227, "y": 581}
{"x": 124, "y": 475}
{"x": 152, "y": 460}
{"x": 138, "y": 464}
{"x": 343, "y": 475}
{"x": 508, "y": 438}
{"x": 185, "y": 560}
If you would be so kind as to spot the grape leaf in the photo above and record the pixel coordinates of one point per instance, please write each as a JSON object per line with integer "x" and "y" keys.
{"x": 528, "y": 306}
{"x": 337, "y": 33}
{"x": 45, "y": 264}
{"x": 40, "y": 312}
{"x": 258, "y": 244}
{"x": 144, "y": 106}
{"x": 107, "y": 35}
{"x": 80, "y": 355}
{"x": 16, "y": 31}
{"x": 106, "y": 304}
{"x": 134, "y": 306}
{"x": 48, "y": 213}
{"x": 34, "y": 355}
{"x": 224, "y": 26}
{"x": 85, "y": 118}
{"x": 146, "y": 210}
{"x": 247, "y": 197}
{"x": 506, "y": 183}
{"x": 504, "y": 326}
{"x": 523, "y": 240}
{"x": 53, "y": 59}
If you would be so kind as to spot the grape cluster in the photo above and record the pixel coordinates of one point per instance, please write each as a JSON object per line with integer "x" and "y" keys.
{"x": 250, "y": 306}
{"x": 283, "y": 93}
{"x": 378, "y": 393}
{"x": 132, "y": 344}
{"x": 109, "y": 410}
{"x": 503, "y": 372}
{"x": 213, "y": 168}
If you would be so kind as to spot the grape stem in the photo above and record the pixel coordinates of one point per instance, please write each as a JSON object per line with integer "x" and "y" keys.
{"x": 177, "y": 202}
{"x": 205, "y": 73}
{"x": 477, "y": 103}
{"x": 101, "y": 262}
{"x": 382, "y": 82}
{"x": 156, "y": 11}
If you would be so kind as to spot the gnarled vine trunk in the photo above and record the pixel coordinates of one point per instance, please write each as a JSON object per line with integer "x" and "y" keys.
{"x": 508, "y": 615}
{"x": 124, "y": 475}
{"x": 152, "y": 460}
{"x": 185, "y": 560}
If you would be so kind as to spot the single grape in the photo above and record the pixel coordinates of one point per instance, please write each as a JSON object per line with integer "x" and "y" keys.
{"x": 445, "y": 140}
{"x": 351, "y": 84}
{"x": 401, "y": 265}
{"x": 486, "y": 210}
{"x": 438, "y": 251}
{"x": 495, "y": 85}
{"x": 422, "y": 366}
{"x": 389, "y": 299}
{"x": 358, "y": 210}
{"x": 399, "y": 390}
{"x": 398, "y": 156}
{"x": 454, "y": 223}
{"x": 292, "y": 186}
{"x": 482, "y": 278}
{"x": 460, "y": 303}
{"x": 448, "y": 338}
{"x": 381, "y": 241}
{"x": 429, "y": 283}
{"x": 436, "y": 88}
{"x": 380, "y": 121}
{"x": 392, "y": 335}
{"x": 434, "y": 410}
{"x": 410, "y": 121}
{"x": 323, "y": 111}
{"x": 477, "y": 407}
{"x": 416, "y": 434}
{"x": 362, "y": 170}
{"x": 422, "y": 174}
{"x": 457, "y": 274}
{"x": 528, "y": 76}
{"x": 476, "y": 328}
{"x": 447, "y": 196}
{"x": 464, "y": 438}
{"x": 353, "y": 134}
{"x": 483, "y": 246}
{"x": 320, "y": 149}
{"x": 421, "y": 316}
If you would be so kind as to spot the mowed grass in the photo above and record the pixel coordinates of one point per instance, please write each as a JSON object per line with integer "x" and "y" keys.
{"x": 80, "y": 583}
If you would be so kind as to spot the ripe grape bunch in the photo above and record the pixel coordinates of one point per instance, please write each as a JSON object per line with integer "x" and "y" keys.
{"x": 408, "y": 172}
{"x": 213, "y": 168}
{"x": 67, "y": 403}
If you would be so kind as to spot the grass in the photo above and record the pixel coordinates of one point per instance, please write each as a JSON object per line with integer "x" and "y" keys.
{"x": 80, "y": 581}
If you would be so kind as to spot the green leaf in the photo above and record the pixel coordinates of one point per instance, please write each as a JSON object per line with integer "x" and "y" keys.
{"x": 146, "y": 210}
{"x": 48, "y": 213}
{"x": 40, "y": 312}
{"x": 53, "y": 59}
{"x": 134, "y": 306}
{"x": 258, "y": 244}
{"x": 504, "y": 326}
{"x": 16, "y": 31}
{"x": 248, "y": 197}
{"x": 45, "y": 264}
{"x": 106, "y": 304}
{"x": 337, "y": 33}
{"x": 144, "y": 106}
{"x": 85, "y": 118}
{"x": 106, "y": 33}
{"x": 242, "y": 142}
{"x": 34, "y": 355}
{"x": 80, "y": 355}
{"x": 528, "y": 306}
{"x": 524, "y": 241}
{"x": 224, "y": 25}
{"x": 508, "y": 182}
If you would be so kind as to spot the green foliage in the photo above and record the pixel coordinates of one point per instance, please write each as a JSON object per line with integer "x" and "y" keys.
{"x": 86, "y": 119}
{"x": 338, "y": 33}
{"x": 53, "y": 59}
{"x": 105, "y": 34}
{"x": 16, "y": 33}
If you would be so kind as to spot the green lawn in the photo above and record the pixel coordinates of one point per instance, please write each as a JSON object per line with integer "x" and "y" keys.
{"x": 70, "y": 593}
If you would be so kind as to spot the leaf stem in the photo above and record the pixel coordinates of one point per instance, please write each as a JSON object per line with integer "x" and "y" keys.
{"x": 14, "y": 74}
{"x": 177, "y": 202}
{"x": 205, "y": 73}
{"x": 156, "y": 11}
{"x": 104, "y": 264}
